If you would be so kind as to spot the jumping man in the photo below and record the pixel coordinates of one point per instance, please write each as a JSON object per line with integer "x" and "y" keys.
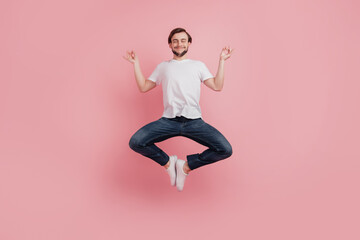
{"x": 181, "y": 80}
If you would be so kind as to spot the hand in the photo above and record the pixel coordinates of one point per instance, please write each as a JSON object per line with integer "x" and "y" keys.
{"x": 131, "y": 56}
{"x": 226, "y": 53}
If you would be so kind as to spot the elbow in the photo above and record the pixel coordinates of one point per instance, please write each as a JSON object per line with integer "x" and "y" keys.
{"x": 218, "y": 89}
{"x": 143, "y": 88}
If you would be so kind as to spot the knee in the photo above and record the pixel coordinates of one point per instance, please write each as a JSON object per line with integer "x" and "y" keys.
{"x": 227, "y": 151}
{"x": 133, "y": 143}
{"x": 138, "y": 140}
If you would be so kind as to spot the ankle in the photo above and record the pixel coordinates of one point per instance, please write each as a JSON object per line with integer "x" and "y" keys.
{"x": 186, "y": 168}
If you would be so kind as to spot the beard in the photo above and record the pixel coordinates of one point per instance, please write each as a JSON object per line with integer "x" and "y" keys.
{"x": 180, "y": 54}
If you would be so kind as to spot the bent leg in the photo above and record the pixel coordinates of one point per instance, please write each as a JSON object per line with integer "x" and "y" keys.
{"x": 143, "y": 140}
{"x": 207, "y": 135}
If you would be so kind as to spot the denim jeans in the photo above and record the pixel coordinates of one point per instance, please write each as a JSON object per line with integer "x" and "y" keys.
{"x": 196, "y": 129}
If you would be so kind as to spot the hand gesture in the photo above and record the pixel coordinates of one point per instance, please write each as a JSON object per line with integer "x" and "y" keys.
{"x": 226, "y": 53}
{"x": 131, "y": 56}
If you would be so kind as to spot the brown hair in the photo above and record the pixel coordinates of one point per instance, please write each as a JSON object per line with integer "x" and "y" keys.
{"x": 178, "y": 30}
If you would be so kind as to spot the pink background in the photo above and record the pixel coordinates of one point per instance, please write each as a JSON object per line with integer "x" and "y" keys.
{"x": 69, "y": 105}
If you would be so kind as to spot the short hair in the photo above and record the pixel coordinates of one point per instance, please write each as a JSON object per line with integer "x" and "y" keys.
{"x": 178, "y": 30}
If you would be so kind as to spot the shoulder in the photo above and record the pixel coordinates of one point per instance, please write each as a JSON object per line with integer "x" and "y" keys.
{"x": 161, "y": 64}
{"x": 197, "y": 62}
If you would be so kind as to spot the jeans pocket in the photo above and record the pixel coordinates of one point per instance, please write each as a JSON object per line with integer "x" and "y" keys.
{"x": 197, "y": 123}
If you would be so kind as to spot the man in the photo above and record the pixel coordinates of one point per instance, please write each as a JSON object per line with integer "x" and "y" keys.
{"x": 181, "y": 80}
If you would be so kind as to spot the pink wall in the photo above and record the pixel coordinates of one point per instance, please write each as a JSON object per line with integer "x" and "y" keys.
{"x": 69, "y": 104}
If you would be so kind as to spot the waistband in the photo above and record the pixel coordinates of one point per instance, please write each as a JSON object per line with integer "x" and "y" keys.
{"x": 182, "y": 119}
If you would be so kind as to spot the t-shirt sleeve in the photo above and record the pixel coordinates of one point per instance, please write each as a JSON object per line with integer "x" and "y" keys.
{"x": 155, "y": 76}
{"x": 204, "y": 72}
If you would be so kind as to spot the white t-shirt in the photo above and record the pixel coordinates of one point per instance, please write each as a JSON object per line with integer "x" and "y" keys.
{"x": 181, "y": 82}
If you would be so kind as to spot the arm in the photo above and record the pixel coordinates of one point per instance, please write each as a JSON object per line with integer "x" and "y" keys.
{"x": 143, "y": 84}
{"x": 217, "y": 83}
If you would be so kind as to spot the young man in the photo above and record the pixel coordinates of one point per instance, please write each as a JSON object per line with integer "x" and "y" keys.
{"x": 181, "y": 79}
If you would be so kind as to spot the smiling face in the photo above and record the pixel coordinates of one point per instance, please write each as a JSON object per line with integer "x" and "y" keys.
{"x": 179, "y": 44}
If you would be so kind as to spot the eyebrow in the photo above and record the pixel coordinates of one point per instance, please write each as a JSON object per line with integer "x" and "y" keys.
{"x": 181, "y": 39}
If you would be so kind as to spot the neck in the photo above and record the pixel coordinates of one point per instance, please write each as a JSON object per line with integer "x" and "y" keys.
{"x": 179, "y": 58}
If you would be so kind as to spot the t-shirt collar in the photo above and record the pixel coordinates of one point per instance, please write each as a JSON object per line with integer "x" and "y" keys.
{"x": 184, "y": 60}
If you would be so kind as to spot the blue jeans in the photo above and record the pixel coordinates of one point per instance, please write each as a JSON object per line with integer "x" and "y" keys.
{"x": 196, "y": 129}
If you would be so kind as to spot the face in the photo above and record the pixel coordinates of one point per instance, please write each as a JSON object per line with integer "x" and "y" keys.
{"x": 179, "y": 44}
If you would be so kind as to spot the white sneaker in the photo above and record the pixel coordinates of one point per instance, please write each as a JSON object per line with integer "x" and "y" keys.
{"x": 180, "y": 175}
{"x": 171, "y": 169}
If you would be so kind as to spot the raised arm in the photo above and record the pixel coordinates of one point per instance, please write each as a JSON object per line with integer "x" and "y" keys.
{"x": 217, "y": 83}
{"x": 144, "y": 84}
